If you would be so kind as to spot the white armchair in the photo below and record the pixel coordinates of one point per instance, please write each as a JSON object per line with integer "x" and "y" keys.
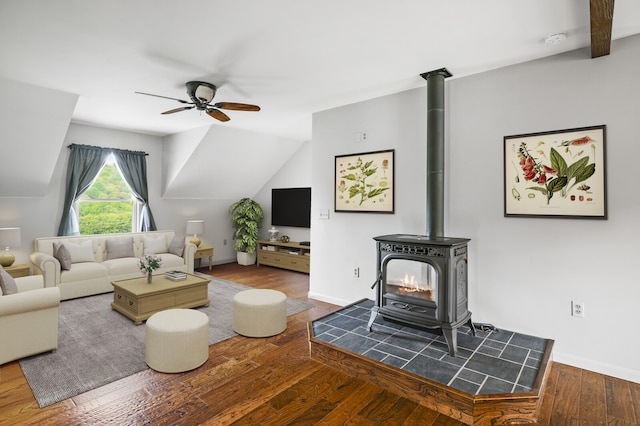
{"x": 29, "y": 319}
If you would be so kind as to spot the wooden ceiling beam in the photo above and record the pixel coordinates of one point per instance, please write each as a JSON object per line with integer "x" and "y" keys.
{"x": 601, "y": 12}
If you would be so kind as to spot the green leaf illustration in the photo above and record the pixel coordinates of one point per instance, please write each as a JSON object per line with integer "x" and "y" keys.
{"x": 574, "y": 169}
{"x": 370, "y": 172}
{"x": 539, "y": 188}
{"x": 557, "y": 184}
{"x": 586, "y": 172}
{"x": 376, "y": 192}
{"x": 557, "y": 162}
{"x": 350, "y": 176}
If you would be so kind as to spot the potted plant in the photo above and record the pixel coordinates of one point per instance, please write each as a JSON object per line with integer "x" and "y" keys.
{"x": 246, "y": 219}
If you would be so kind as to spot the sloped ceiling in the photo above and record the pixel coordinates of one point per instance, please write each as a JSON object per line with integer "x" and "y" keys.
{"x": 291, "y": 57}
{"x": 82, "y": 61}
{"x": 222, "y": 163}
{"x": 33, "y": 123}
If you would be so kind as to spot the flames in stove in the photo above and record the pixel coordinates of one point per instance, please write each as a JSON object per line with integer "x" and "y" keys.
{"x": 409, "y": 285}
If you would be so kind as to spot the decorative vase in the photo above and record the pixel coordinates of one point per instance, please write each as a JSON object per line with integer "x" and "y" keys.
{"x": 273, "y": 234}
{"x": 149, "y": 277}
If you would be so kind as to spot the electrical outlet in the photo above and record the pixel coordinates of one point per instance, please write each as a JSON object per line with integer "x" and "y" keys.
{"x": 577, "y": 309}
{"x": 356, "y": 272}
{"x": 224, "y": 242}
{"x": 362, "y": 136}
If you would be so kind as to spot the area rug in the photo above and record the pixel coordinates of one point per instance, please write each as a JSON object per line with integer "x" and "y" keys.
{"x": 97, "y": 345}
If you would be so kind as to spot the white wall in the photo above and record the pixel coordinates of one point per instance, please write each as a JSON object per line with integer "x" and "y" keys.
{"x": 523, "y": 273}
{"x": 40, "y": 216}
{"x": 296, "y": 173}
{"x": 345, "y": 241}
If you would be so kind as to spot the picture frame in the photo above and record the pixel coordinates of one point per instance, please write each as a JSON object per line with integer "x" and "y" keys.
{"x": 364, "y": 182}
{"x": 556, "y": 174}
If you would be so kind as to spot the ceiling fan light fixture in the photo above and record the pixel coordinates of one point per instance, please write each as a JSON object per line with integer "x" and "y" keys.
{"x": 204, "y": 93}
{"x": 200, "y": 91}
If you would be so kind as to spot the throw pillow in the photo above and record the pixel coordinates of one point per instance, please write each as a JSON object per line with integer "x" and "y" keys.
{"x": 177, "y": 246}
{"x": 155, "y": 245}
{"x": 61, "y": 253}
{"x": 119, "y": 247}
{"x": 81, "y": 252}
{"x": 7, "y": 283}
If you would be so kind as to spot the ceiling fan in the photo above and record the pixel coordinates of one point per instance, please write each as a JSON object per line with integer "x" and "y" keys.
{"x": 201, "y": 95}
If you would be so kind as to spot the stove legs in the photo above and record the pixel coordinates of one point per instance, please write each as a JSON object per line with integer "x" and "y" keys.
{"x": 471, "y": 326}
{"x": 374, "y": 315}
{"x": 450, "y": 333}
{"x": 451, "y": 336}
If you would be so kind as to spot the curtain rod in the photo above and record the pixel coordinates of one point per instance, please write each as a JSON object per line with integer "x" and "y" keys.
{"x": 108, "y": 149}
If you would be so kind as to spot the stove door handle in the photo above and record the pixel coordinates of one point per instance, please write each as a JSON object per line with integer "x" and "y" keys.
{"x": 377, "y": 281}
{"x": 401, "y": 305}
{"x": 407, "y": 307}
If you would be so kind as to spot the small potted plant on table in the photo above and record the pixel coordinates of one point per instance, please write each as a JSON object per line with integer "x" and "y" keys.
{"x": 246, "y": 219}
{"x": 149, "y": 263}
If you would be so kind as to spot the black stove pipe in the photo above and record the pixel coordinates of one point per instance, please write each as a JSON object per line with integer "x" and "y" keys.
{"x": 435, "y": 150}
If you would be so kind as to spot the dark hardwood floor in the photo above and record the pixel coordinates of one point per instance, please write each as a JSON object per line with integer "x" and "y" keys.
{"x": 273, "y": 381}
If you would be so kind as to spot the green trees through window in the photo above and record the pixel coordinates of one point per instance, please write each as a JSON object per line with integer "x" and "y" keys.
{"x": 106, "y": 207}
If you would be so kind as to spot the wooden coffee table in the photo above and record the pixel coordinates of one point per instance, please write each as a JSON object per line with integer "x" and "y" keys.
{"x": 138, "y": 300}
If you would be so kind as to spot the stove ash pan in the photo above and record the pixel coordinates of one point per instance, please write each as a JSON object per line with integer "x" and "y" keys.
{"x": 422, "y": 282}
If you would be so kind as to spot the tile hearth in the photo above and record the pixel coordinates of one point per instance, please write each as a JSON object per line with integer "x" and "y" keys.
{"x": 493, "y": 362}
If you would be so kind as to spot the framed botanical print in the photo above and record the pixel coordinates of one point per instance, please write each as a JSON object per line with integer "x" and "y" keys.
{"x": 364, "y": 182}
{"x": 556, "y": 174}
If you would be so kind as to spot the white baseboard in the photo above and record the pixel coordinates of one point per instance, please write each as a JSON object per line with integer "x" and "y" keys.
{"x": 328, "y": 299}
{"x": 598, "y": 367}
{"x": 223, "y": 261}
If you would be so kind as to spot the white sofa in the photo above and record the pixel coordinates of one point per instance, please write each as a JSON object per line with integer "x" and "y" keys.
{"x": 28, "y": 319}
{"x": 93, "y": 266}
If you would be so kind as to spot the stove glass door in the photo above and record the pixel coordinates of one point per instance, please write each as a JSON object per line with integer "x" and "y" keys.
{"x": 411, "y": 278}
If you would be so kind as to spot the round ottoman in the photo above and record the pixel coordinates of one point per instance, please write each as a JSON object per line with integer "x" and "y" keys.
{"x": 177, "y": 340}
{"x": 259, "y": 313}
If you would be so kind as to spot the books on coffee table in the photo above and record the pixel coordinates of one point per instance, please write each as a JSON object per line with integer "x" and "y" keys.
{"x": 175, "y": 275}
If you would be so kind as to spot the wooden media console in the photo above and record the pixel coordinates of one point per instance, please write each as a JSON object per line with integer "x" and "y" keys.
{"x": 291, "y": 255}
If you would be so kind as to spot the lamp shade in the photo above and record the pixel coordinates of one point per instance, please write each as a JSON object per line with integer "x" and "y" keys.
{"x": 10, "y": 237}
{"x": 195, "y": 227}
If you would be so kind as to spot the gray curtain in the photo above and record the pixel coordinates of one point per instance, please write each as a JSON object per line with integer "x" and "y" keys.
{"x": 133, "y": 166}
{"x": 85, "y": 162}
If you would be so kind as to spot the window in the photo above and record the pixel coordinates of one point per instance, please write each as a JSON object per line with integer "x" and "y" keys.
{"x": 107, "y": 206}
{"x": 86, "y": 164}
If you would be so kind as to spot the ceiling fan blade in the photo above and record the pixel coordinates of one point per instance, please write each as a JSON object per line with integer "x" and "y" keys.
{"x": 171, "y": 111}
{"x": 236, "y": 106}
{"x": 165, "y": 97}
{"x": 218, "y": 115}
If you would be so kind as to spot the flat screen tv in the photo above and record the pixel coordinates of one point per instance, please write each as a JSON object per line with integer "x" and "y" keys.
{"x": 291, "y": 207}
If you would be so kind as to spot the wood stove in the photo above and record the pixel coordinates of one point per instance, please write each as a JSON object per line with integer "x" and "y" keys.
{"x": 422, "y": 282}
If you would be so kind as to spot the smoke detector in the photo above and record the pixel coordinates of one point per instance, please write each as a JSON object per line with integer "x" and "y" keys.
{"x": 555, "y": 39}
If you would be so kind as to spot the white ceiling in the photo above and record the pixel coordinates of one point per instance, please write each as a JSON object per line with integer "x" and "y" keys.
{"x": 291, "y": 57}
